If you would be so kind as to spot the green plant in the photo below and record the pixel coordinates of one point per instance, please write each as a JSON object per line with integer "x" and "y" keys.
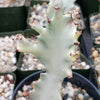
{"x": 53, "y": 49}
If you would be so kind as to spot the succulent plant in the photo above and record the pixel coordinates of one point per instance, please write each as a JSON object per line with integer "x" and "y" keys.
{"x": 53, "y": 49}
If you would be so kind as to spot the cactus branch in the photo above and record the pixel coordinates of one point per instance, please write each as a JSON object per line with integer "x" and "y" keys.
{"x": 25, "y": 46}
{"x": 38, "y": 28}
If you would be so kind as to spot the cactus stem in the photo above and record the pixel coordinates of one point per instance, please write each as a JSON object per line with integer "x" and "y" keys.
{"x": 49, "y": 21}
{"x": 57, "y": 7}
{"x": 76, "y": 23}
{"x": 37, "y": 28}
{"x": 35, "y": 37}
{"x": 76, "y": 43}
{"x": 13, "y": 39}
{"x": 53, "y": 43}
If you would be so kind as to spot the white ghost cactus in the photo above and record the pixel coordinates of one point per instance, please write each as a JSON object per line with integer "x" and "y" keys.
{"x": 52, "y": 49}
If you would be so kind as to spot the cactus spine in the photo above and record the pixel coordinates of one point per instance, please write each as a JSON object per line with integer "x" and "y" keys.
{"x": 52, "y": 49}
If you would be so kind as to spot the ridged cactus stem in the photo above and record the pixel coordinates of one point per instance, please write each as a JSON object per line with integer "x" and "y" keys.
{"x": 52, "y": 49}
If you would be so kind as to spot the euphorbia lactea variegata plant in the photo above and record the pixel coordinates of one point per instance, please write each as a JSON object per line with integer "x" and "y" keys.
{"x": 52, "y": 49}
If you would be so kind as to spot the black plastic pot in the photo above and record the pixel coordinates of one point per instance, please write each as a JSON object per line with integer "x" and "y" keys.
{"x": 13, "y": 19}
{"x": 97, "y": 46}
{"x": 34, "y": 2}
{"x": 77, "y": 79}
{"x": 93, "y": 33}
{"x": 23, "y": 74}
{"x": 91, "y": 6}
{"x": 84, "y": 72}
{"x": 4, "y": 34}
{"x": 84, "y": 83}
{"x": 88, "y": 6}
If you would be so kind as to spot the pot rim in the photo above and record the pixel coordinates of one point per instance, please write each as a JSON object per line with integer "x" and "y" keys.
{"x": 36, "y": 73}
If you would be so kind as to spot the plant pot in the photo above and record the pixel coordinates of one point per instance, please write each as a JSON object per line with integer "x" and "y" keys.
{"x": 84, "y": 72}
{"x": 9, "y": 80}
{"x": 24, "y": 73}
{"x": 94, "y": 27}
{"x": 13, "y": 19}
{"x": 77, "y": 79}
{"x": 35, "y": 2}
{"x": 84, "y": 83}
{"x": 27, "y": 81}
{"x": 7, "y": 48}
{"x": 16, "y": 54}
{"x": 97, "y": 64}
{"x": 90, "y": 6}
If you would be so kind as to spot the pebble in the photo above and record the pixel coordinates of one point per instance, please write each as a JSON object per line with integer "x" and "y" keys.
{"x": 1, "y": 90}
{"x": 95, "y": 54}
{"x": 97, "y": 40}
{"x": 86, "y": 94}
{"x": 25, "y": 88}
{"x": 83, "y": 64}
{"x": 2, "y": 98}
{"x": 87, "y": 67}
{"x": 20, "y": 93}
{"x": 80, "y": 96}
{"x": 7, "y": 54}
{"x": 21, "y": 98}
{"x": 6, "y": 87}
{"x": 99, "y": 80}
{"x": 10, "y": 77}
{"x": 8, "y": 94}
{"x": 3, "y": 85}
{"x": 69, "y": 84}
{"x": 90, "y": 98}
{"x": 25, "y": 93}
{"x": 71, "y": 93}
{"x": 69, "y": 99}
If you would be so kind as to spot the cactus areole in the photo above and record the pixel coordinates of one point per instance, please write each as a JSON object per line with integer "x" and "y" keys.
{"x": 53, "y": 49}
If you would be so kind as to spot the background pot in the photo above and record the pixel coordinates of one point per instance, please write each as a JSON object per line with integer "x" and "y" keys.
{"x": 82, "y": 82}
{"x": 13, "y": 19}
{"x": 96, "y": 69}
{"x": 9, "y": 34}
{"x": 84, "y": 72}
{"x": 77, "y": 79}
{"x": 35, "y": 2}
